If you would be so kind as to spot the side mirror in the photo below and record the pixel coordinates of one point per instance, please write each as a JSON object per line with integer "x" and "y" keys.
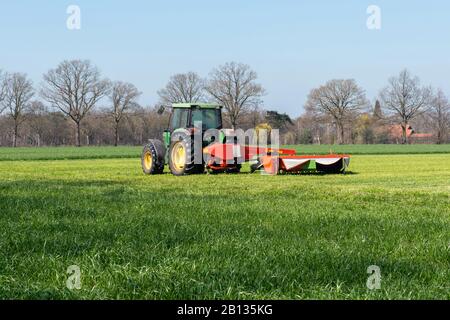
{"x": 161, "y": 110}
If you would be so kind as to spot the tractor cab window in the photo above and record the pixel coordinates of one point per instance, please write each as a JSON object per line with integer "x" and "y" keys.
{"x": 179, "y": 119}
{"x": 210, "y": 118}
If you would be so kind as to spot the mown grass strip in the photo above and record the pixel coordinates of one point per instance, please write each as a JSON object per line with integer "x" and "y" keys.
{"x": 107, "y": 152}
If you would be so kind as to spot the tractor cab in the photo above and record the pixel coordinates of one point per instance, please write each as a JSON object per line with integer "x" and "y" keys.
{"x": 186, "y": 115}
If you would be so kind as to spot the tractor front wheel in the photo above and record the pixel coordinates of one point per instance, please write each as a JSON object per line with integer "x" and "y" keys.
{"x": 152, "y": 157}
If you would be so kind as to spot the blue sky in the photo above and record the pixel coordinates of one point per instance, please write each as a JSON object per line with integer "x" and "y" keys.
{"x": 293, "y": 45}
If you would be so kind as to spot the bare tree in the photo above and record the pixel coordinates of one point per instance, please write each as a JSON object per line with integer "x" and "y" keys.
{"x": 233, "y": 86}
{"x": 123, "y": 97}
{"x": 338, "y": 99}
{"x": 183, "y": 88}
{"x": 74, "y": 88}
{"x": 252, "y": 117}
{"x": 440, "y": 115}
{"x": 2, "y": 91}
{"x": 406, "y": 99}
{"x": 18, "y": 92}
{"x": 39, "y": 120}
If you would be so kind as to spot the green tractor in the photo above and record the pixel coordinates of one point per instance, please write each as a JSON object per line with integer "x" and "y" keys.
{"x": 177, "y": 148}
{"x": 217, "y": 149}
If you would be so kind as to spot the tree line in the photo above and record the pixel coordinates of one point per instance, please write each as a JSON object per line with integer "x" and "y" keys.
{"x": 76, "y": 105}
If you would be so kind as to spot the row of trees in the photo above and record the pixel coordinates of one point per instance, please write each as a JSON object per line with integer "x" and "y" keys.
{"x": 74, "y": 88}
{"x": 341, "y": 103}
{"x": 403, "y": 100}
{"x": 75, "y": 104}
{"x": 232, "y": 85}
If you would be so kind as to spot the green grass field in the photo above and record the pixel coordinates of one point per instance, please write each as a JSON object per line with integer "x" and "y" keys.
{"x": 224, "y": 236}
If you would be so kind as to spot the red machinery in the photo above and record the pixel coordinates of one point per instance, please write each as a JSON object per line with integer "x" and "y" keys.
{"x": 273, "y": 161}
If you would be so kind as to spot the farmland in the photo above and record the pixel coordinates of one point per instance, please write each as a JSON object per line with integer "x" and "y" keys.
{"x": 224, "y": 236}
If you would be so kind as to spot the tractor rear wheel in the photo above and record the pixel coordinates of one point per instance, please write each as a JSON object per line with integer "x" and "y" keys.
{"x": 152, "y": 157}
{"x": 181, "y": 157}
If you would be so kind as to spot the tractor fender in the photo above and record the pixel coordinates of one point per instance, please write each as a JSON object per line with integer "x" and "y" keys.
{"x": 180, "y": 134}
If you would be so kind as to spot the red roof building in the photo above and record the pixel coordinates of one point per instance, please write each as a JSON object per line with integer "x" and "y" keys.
{"x": 396, "y": 132}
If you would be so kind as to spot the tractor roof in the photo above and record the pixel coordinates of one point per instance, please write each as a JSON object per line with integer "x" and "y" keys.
{"x": 199, "y": 105}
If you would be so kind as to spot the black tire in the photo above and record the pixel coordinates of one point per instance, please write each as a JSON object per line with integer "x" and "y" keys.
{"x": 189, "y": 167}
{"x": 152, "y": 157}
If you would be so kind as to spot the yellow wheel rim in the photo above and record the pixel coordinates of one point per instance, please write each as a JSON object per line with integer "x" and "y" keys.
{"x": 148, "y": 160}
{"x": 179, "y": 155}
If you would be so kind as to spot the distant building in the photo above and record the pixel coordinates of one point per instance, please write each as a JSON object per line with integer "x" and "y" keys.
{"x": 395, "y": 133}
